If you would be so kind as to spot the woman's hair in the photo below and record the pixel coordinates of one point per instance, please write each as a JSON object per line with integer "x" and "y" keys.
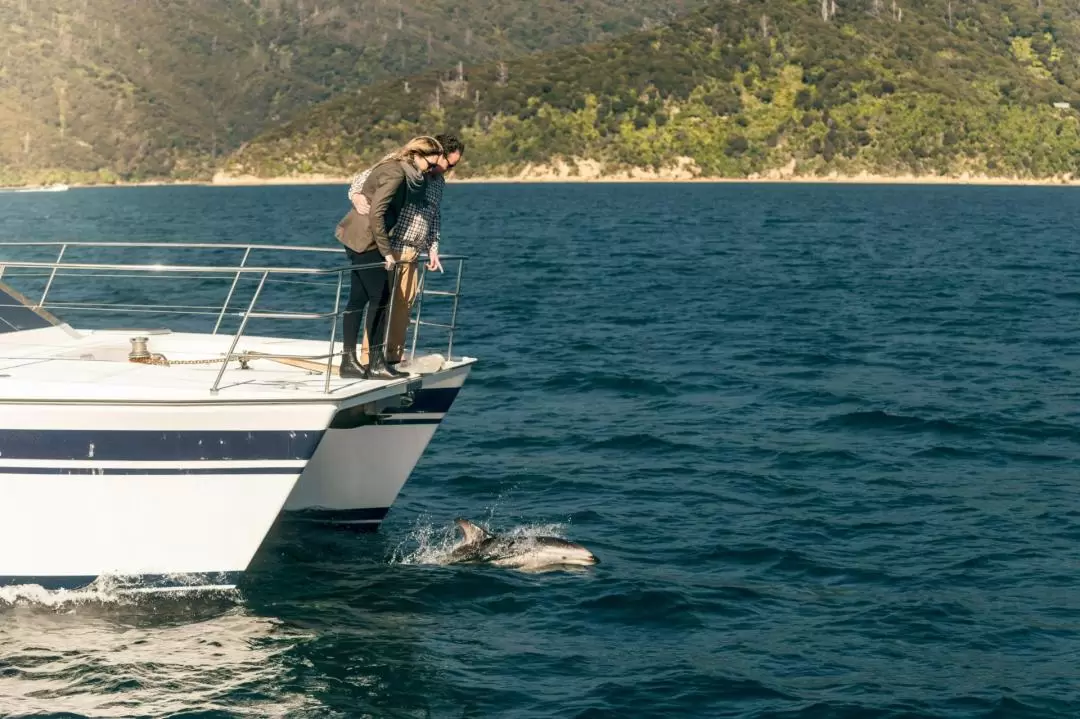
{"x": 423, "y": 145}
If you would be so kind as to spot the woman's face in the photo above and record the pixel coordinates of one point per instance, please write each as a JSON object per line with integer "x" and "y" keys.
{"x": 437, "y": 163}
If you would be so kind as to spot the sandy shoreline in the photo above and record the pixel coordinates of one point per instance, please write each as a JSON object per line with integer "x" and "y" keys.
{"x": 683, "y": 170}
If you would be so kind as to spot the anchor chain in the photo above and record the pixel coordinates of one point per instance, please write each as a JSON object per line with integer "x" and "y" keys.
{"x": 244, "y": 359}
{"x": 163, "y": 361}
{"x": 140, "y": 354}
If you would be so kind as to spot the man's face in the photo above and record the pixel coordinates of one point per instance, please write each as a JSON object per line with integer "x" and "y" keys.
{"x": 447, "y": 163}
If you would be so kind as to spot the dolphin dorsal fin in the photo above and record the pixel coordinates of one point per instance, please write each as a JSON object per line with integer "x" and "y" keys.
{"x": 472, "y": 532}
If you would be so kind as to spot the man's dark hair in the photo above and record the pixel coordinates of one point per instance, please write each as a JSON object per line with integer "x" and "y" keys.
{"x": 451, "y": 144}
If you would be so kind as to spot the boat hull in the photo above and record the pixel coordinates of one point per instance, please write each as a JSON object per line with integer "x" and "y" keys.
{"x": 366, "y": 457}
{"x": 169, "y": 496}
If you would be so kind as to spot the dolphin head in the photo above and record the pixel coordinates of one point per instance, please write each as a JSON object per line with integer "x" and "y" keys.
{"x": 553, "y": 551}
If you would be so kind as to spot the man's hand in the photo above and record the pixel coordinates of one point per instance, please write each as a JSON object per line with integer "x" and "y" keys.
{"x": 361, "y": 204}
{"x": 433, "y": 261}
{"x": 389, "y": 263}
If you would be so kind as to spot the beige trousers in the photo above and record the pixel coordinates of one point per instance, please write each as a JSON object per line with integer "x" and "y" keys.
{"x": 404, "y": 292}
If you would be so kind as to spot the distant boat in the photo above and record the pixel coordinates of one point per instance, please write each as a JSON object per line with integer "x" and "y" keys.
{"x": 38, "y": 188}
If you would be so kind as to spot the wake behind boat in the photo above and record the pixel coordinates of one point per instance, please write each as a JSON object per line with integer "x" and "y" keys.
{"x": 166, "y": 455}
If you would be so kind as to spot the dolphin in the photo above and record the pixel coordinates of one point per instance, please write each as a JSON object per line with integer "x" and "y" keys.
{"x": 530, "y": 554}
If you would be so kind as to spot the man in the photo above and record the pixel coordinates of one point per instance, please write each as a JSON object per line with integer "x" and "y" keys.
{"x": 418, "y": 231}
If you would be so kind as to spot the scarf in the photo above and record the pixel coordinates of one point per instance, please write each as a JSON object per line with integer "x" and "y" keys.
{"x": 414, "y": 178}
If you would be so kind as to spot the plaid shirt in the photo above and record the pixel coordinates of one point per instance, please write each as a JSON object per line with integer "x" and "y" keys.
{"x": 417, "y": 226}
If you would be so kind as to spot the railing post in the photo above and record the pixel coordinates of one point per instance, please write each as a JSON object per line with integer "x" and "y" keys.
{"x": 239, "y": 332}
{"x": 389, "y": 311}
{"x": 419, "y": 308}
{"x": 52, "y": 276}
{"x": 453, "y": 315}
{"x": 333, "y": 334}
{"x": 228, "y": 299}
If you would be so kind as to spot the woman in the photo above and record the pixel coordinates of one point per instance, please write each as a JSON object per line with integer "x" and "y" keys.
{"x": 396, "y": 182}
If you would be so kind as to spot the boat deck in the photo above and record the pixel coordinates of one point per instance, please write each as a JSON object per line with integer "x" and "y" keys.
{"x": 57, "y": 364}
{"x": 43, "y": 359}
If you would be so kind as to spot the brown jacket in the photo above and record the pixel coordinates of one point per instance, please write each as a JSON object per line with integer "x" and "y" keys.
{"x": 387, "y": 192}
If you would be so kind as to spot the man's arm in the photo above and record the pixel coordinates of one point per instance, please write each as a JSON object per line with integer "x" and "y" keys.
{"x": 355, "y": 193}
{"x": 434, "y": 198}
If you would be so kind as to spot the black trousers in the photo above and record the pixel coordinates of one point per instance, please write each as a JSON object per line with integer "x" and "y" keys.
{"x": 368, "y": 288}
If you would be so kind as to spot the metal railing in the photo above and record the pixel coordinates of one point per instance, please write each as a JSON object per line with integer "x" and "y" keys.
{"x": 332, "y": 278}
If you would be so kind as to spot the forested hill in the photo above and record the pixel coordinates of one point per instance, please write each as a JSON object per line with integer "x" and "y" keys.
{"x": 133, "y": 89}
{"x": 741, "y": 87}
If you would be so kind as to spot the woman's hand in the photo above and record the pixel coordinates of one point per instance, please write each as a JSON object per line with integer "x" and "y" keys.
{"x": 389, "y": 263}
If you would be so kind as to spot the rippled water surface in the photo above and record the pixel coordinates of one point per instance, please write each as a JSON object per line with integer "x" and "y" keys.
{"x": 824, "y": 440}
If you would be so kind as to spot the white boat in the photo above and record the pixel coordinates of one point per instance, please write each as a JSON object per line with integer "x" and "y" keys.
{"x": 143, "y": 455}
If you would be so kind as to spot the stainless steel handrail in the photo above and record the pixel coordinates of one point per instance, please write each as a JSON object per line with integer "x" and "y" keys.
{"x": 239, "y": 333}
{"x": 264, "y": 275}
{"x": 173, "y": 245}
{"x": 208, "y": 269}
{"x": 422, "y": 292}
{"x": 228, "y": 299}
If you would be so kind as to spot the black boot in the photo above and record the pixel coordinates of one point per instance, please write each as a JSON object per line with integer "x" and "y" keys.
{"x": 350, "y": 368}
{"x": 378, "y": 369}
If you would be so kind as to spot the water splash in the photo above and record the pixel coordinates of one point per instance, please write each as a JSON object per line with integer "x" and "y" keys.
{"x": 425, "y": 543}
{"x": 552, "y": 529}
{"x": 428, "y": 543}
{"x": 108, "y": 589}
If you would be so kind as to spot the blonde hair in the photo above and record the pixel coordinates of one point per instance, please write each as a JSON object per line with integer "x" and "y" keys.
{"x": 416, "y": 147}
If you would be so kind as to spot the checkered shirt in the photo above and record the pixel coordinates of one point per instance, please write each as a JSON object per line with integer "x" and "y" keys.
{"x": 418, "y": 226}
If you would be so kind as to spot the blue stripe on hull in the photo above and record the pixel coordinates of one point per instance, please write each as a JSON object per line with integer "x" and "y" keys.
{"x": 368, "y": 514}
{"x": 395, "y": 421}
{"x": 438, "y": 399}
{"x": 144, "y": 583}
{"x": 424, "y": 401}
{"x": 149, "y": 445}
{"x": 108, "y": 471}
{"x": 355, "y": 527}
